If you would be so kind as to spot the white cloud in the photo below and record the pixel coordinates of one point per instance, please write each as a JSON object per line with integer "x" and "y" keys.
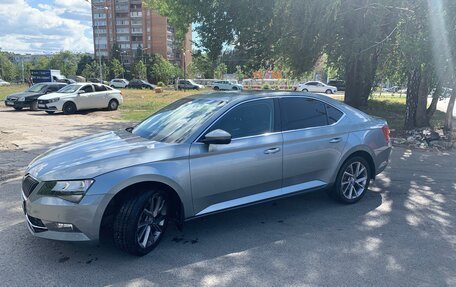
{"x": 46, "y": 28}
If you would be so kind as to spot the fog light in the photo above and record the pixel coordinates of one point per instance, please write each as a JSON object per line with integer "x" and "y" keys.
{"x": 64, "y": 225}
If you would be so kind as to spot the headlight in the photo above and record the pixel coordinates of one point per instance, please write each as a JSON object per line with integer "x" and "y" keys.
{"x": 53, "y": 100}
{"x": 21, "y": 99}
{"x": 71, "y": 190}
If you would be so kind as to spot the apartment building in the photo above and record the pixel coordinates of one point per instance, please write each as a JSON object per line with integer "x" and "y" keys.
{"x": 131, "y": 25}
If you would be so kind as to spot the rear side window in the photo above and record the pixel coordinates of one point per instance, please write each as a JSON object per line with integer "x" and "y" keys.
{"x": 300, "y": 113}
{"x": 99, "y": 88}
{"x": 249, "y": 119}
{"x": 333, "y": 114}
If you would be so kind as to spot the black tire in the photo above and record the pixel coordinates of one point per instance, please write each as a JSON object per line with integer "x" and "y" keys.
{"x": 113, "y": 105}
{"x": 69, "y": 108}
{"x": 235, "y": 88}
{"x": 50, "y": 112}
{"x": 305, "y": 90}
{"x": 216, "y": 88}
{"x": 341, "y": 191}
{"x": 328, "y": 91}
{"x": 34, "y": 106}
{"x": 127, "y": 233}
{"x": 18, "y": 108}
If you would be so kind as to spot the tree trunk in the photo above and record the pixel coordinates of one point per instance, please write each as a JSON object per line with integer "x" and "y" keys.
{"x": 420, "y": 117}
{"x": 413, "y": 86}
{"x": 435, "y": 99}
{"x": 360, "y": 74}
{"x": 449, "y": 114}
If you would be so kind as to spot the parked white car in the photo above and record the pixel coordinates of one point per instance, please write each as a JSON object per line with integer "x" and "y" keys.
{"x": 226, "y": 85}
{"x": 81, "y": 96}
{"x": 118, "y": 83}
{"x": 316, "y": 87}
{"x": 4, "y": 83}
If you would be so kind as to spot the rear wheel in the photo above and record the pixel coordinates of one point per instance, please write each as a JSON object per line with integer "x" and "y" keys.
{"x": 69, "y": 108}
{"x": 141, "y": 222}
{"x": 113, "y": 105}
{"x": 352, "y": 180}
{"x": 34, "y": 106}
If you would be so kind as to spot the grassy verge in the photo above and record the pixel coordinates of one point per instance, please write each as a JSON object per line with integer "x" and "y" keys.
{"x": 8, "y": 90}
{"x": 392, "y": 108}
{"x": 138, "y": 104}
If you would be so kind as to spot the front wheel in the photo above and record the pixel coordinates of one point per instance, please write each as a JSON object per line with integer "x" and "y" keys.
{"x": 17, "y": 108}
{"x": 305, "y": 90}
{"x": 69, "y": 108}
{"x": 329, "y": 91}
{"x": 50, "y": 112}
{"x": 141, "y": 222}
{"x": 352, "y": 180}
{"x": 34, "y": 106}
{"x": 235, "y": 88}
{"x": 216, "y": 88}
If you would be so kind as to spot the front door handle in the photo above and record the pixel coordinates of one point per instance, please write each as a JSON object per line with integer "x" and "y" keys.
{"x": 335, "y": 140}
{"x": 272, "y": 150}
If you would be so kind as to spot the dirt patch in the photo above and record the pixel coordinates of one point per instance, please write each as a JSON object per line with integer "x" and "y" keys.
{"x": 26, "y": 134}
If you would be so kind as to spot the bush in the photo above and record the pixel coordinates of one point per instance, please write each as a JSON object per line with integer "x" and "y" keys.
{"x": 160, "y": 84}
{"x": 265, "y": 87}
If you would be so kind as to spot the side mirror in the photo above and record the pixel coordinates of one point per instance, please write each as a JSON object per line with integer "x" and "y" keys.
{"x": 81, "y": 92}
{"x": 217, "y": 137}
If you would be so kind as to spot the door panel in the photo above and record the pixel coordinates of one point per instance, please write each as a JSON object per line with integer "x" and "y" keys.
{"x": 244, "y": 167}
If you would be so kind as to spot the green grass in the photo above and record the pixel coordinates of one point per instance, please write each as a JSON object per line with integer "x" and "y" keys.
{"x": 138, "y": 104}
{"x": 392, "y": 109}
{"x": 5, "y": 91}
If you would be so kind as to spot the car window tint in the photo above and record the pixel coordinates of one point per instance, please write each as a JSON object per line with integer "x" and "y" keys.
{"x": 87, "y": 88}
{"x": 99, "y": 88}
{"x": 333, "y": 114}
{"x": 300, "y": 113}
{"x": 54, "y": 88}
{"x": 249, "y": 119}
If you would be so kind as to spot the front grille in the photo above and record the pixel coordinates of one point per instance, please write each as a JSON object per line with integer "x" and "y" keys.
{"x": 43, "y": 101}
{"x": 11, "y": 99}
{"x": 28, "y": 185}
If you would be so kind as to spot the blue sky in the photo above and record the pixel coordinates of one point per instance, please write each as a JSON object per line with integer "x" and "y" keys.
{"x": 45, "y": 26}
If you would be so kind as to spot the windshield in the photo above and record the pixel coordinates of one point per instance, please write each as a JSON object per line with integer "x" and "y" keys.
{"x": 70, "y": 88}
{"x": 36, "y": 88}
{"x": 176, "y": 122}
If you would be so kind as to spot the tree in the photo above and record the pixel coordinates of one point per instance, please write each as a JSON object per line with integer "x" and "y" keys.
{"x": 8, "y": 71}
{"x": 116, "y": 52}
{"x": 91, "y": 70}
{"x": 83, "y": 61}
{"x": 66, "y": 62}
{"x": 239, "y": 73}
{"x": 138, "y": 70}
{"x": 220, "y": 71}
{"x": 116, "y": 68}
{"x": 161, "y": 70}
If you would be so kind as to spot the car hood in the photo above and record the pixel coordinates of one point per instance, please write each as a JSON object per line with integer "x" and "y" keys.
{"x": 55, "y": 95}
{"x": 23, "y": 94}
{"x": 94, "y": 155}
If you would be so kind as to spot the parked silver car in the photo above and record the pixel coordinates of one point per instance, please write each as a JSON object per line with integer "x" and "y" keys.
{"x": 202, "y": 154}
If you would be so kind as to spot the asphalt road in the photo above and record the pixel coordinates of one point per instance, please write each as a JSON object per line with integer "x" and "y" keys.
{"x": 401, "y": 234}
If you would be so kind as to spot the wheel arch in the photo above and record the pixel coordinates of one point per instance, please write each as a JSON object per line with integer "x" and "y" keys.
{"x": 178, "y": 210}
{"x": 358, "y": 151}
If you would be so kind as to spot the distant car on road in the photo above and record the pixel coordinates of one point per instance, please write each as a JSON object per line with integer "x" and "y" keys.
{"x": 316, "y": 87}
{"x": 188, "y": 85}
{"x": 393, "y": 89}
{"x": 201, "y": 155}
{"x": 81, "y": 96}
{"x": 118, "y": 83}
{"x": 140, "y": 84}
{"x": 4, "y": 83}
{"x": 226, "y": 85}
{"x": 29, "y": 98}
{"x": 339, "y": 84}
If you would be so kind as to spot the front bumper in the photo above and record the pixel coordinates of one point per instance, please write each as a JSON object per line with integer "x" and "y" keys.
{"x": 50, "y": 217}
{"x": 17, "y": 104}
{"x": 54, "y": 106}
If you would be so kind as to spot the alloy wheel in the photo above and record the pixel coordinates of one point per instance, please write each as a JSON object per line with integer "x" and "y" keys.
{"x": 354, "y": 180}
{"x": 152, "y": 221}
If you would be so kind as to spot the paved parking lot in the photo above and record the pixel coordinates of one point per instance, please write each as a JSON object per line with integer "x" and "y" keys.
{"x": 401, "y": 234}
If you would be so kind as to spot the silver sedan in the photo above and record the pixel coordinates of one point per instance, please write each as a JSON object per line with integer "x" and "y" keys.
{"x": 200, "y": 155}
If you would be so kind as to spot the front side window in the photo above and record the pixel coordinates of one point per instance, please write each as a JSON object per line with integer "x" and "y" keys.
{"x": 176, "y": 122}
{"x": 300, "y": 113}
{"x": 249, "y": 119}
{"x": 87, "y": 88}
{"x": 70, "y": 88}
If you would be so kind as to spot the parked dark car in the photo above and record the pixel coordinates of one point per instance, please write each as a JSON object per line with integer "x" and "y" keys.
{"x": 29, "y": 98}
{"x": 140, "y": 84}
{"x": 188, "y": 85}
{"x": 339, "y": 84}
{"x": 94, "y": 80}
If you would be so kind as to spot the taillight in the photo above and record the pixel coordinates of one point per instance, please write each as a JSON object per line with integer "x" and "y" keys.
{"x": 386, "y": 132}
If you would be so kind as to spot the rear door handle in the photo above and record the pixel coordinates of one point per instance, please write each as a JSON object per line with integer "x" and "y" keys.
{"x": 335, "y": 140}
{"x": 272, "y": 150}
